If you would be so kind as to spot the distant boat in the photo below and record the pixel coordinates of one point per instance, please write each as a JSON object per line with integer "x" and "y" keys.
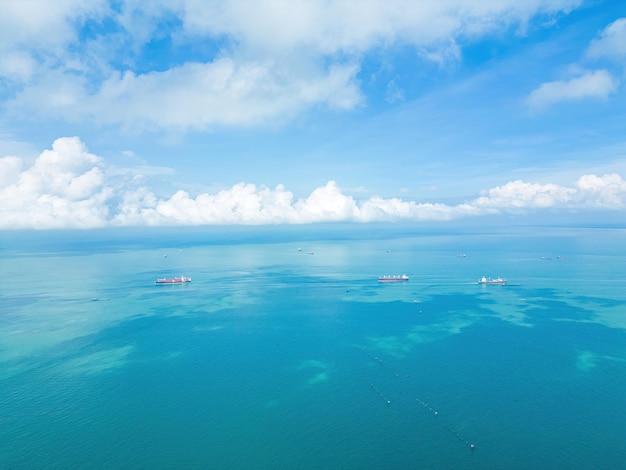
{"x": 488, "y": 280}
{"x": 404, "y": 277}
{"x": 173, "y": 280}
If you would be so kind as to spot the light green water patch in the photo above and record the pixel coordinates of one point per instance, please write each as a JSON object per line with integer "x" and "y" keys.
{"x": 227, "y": 299}
{"x": 511, "y": 313}
{"x": 611, "y": 316}
{"x": 32, "y": 340}
{"x": 400, "y": 345}
{"x": 173, "y": 355}
{"x": 375, "y": 292}
{"x": 311, "y": 363}
{"x": 208, "y": 328}
{"x": 98, "y": 362}
{"x": 319, "y": 369}
{"x": 45, "y": 325}
{"x": 318, "y": 378}
{"x": 506, "y": 304}
{"x": 588, "y": 360}
{"x": 605, "y": 311}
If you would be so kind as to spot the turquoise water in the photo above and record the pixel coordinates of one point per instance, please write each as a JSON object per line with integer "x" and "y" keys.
{"x": 276, "y": 358}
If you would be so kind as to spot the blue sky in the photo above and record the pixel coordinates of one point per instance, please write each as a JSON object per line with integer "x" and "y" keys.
{"x": 189, "y": 112}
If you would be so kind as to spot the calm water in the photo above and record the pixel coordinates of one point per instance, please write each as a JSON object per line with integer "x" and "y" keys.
{"x": 276, "y": 358}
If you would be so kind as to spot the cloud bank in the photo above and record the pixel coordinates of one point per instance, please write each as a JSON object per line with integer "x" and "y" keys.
{"x": 68, "y": 187}
{"x": 234, "y": 63}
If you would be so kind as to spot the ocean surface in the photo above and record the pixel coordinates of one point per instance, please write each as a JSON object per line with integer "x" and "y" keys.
{"x": 284, "y": 352}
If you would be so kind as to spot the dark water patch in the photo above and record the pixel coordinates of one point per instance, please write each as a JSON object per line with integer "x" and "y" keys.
{"x": 542, "y": 310}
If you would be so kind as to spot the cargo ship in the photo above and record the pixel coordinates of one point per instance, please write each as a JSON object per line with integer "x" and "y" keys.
{"x": 404, "y": 277}
{"x": 173, "y": 280}
{"x": 488, "y": 280}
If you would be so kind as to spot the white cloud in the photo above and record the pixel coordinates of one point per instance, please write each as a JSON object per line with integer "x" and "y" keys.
{"x": 326, "y": 204}
{"x": 519, "y": 194}
{"x": 332, "y": 26}
{"x": 598, "y": 84}
{"x": 197, "y": 95}
{"x": 10, "y": 168}
{"x": 68, "y": 187}
{"x": 63, "y": 188}
{"x": 590, "y": 191}
{"x": 42, "y": 24}
{"x": 17, "y": 66}
{"x": 607, "y": 191}
{"x": 277, "y": 58}
{"x": 612, "y": 42}
{"x": 39, "y": 36}
{"x": 249, "y": 204}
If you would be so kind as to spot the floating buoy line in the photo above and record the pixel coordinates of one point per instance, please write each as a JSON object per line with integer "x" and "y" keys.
{"x": 380, "y": 394}
{"x": 379, "y": 361}
{"x": 422, "y": 403}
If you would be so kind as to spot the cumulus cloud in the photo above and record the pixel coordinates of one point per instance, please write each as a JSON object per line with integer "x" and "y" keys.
{"x": 590, "y": 191}
{"x": 612, "y": 42}
{"x": 249, "y": 204}
{"x": 68, "y": 187}
{"x": 607, "y": 191}
{"x": 275, "y": 59}
{"x": 10, "y": 168}
{"x": 598, "y": 84}
{"x": 519, "y": 194}
{"x": 64, "y": 188}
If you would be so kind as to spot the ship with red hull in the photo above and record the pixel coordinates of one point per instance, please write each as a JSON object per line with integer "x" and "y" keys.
{"x": 173, "y": 280}
{"x": 402, "y": 278}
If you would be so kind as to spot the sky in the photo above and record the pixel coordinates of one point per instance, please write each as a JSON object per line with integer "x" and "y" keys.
{"x": 197, "y": 112}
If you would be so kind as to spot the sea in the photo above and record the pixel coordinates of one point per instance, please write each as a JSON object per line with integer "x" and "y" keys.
{"x": 285, "y": 352}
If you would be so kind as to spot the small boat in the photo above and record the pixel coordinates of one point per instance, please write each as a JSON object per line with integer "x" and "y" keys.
{"x": 404, "y": 277}
{"x": 173, "y": 280}
{"x": 498, "y": 281}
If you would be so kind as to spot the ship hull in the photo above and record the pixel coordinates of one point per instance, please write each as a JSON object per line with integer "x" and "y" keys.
{"x": 176, "y": 280}
{"x": 498, "y": 282}
{"x": 393, "y": 278}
